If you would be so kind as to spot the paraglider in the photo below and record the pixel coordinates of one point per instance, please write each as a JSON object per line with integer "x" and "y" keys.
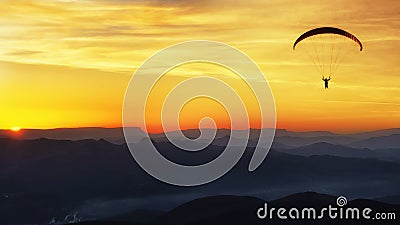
{"x": 327, "y": 47}
{"x": 326, "y": 80}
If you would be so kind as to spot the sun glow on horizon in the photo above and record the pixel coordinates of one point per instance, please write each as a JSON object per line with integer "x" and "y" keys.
{"x": 16, "y": 129}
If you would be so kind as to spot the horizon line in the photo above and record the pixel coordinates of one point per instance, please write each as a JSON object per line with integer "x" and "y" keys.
{"x": 119, "y": 127}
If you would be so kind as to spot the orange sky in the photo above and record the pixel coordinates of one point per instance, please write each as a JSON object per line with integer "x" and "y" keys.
{"x": 68, "y": 63}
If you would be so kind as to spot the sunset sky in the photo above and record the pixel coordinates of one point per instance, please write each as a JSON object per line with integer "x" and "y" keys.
{"x": 68, "y": 63}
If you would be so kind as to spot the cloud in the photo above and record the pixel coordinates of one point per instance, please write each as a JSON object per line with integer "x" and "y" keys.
{"x": 23, "y": 53}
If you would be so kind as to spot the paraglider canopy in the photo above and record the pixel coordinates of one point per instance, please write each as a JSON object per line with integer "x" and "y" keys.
{"x": 327, "y": 30}
{"x": 327, "y": 47}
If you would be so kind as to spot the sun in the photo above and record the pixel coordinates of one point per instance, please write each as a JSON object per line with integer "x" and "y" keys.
{"x": 16, "y": 129}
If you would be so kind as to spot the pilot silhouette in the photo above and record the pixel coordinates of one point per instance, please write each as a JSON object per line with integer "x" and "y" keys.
{"x": 326, "y": 80}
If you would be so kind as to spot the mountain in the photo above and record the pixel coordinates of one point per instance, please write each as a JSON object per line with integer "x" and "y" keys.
{"x": 323, "y": 148}
{"x": 114, "y": 135}
{"x": 290, "y": 139}
{"x": 138, "y": 216}
{"x": 212, "y": 206}
{"x": 304, "y": 134}
{"x": 377, "y": 133}
{"x": 306, "y": 199}
{"x": 229, "y": 209}
{"x": 44, "y": 179}
{"x": 213, "y": 210}
{"x": 295, "y": 141}
{"x": 392, "y": 199}
{"x": 382, "y": 142}
{"x": 389, "y": 153}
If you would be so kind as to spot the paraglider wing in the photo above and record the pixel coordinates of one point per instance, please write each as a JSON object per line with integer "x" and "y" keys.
{"x": 327, "y": 30}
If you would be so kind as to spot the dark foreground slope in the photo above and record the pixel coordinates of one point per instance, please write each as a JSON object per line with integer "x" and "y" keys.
{"x": 45, "y": 179}
{"x": 228, "y": 209}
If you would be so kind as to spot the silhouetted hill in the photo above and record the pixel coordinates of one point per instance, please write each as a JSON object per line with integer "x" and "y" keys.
{"x": 393, "y": 199}
{"x": 138, "y": 216}
{"x": 394, "y": 152}
{"x": 304, "y": 134}
{"x": 209, "y": 210}
{"x": 306, "y": 199}
{"x": 301, "y": 141}
{"x": 111, "y": 222}
{"x": 323, "y": 148}
{"x": 230, "y": 209}
{"x": 391, "y": 141}
{"x": 377, "y": 133}
{"x": 115, "y": 135}
{"x": 41, "y": 179}
{"x": 242, "y": 210}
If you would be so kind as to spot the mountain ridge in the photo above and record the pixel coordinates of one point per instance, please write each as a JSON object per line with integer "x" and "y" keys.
{"x": 116, "y": 135}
